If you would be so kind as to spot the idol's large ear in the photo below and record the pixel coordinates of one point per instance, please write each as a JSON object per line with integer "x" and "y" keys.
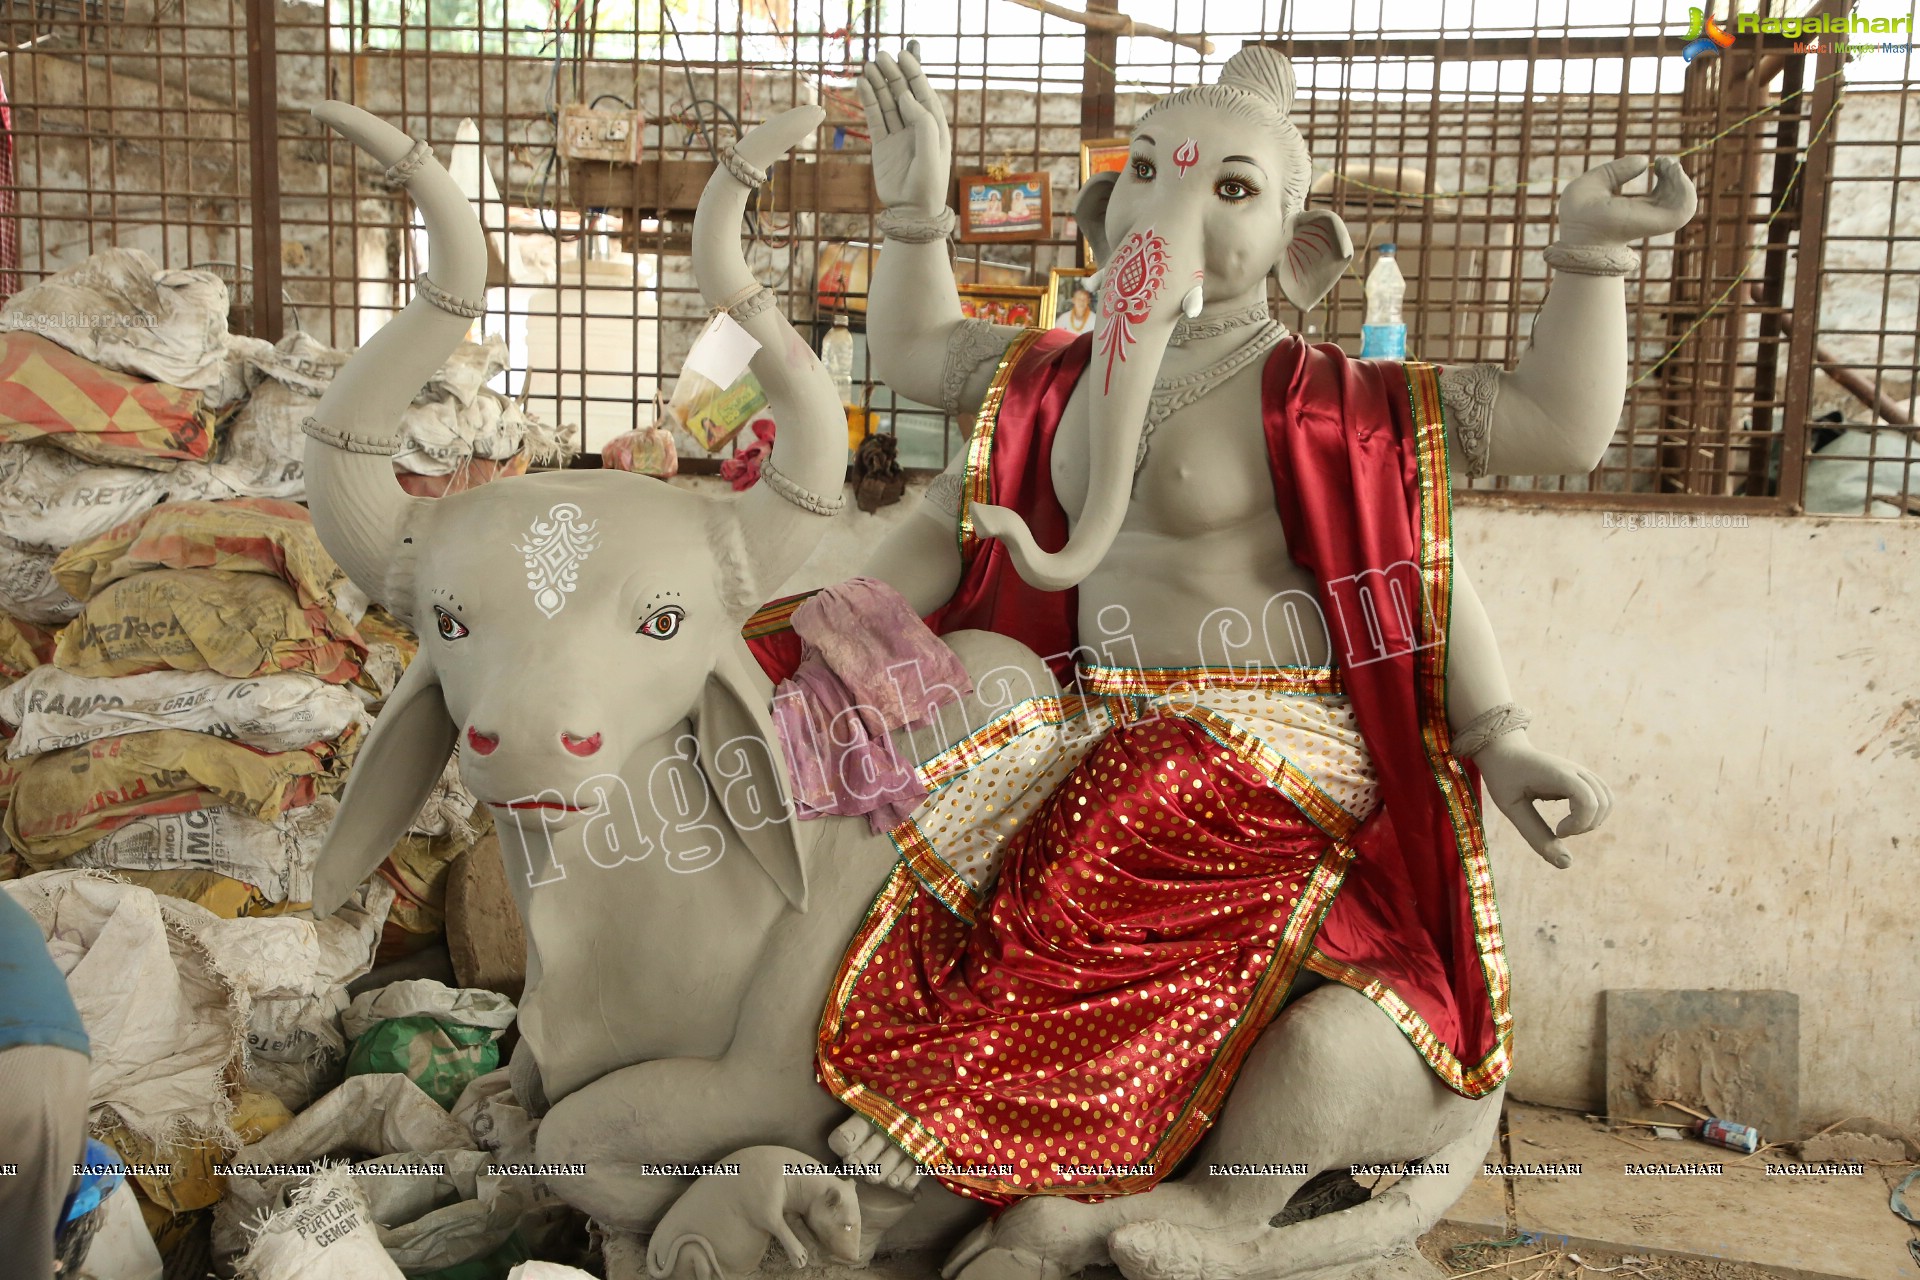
{"x": 1315, "y": 254}
{"x": 392, "y": 776}
{"x": 1090, "y": 211}
{"x": 741, "y": 760}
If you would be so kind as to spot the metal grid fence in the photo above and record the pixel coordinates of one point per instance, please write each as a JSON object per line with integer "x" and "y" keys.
{"x": 1774, "y": 355}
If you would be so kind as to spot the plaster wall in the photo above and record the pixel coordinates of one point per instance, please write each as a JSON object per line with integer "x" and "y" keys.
{"x": 1751, "y": 695}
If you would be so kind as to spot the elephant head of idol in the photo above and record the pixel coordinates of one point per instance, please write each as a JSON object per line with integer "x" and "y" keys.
{"x": 570, "y": 623}
{"x": 1211, "y": 202}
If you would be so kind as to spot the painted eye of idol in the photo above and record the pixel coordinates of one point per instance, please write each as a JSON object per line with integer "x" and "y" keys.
{"x": 1235, "y": 189}
{"x": 449, "y": 627}
{"x": 664, "y": 624}
{"x": 1143, "y": 168}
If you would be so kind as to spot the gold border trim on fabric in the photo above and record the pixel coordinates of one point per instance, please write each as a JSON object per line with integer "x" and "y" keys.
{"x": 978, "y": 476}
{"x": 901, "y": 1128}
{"x": 1430, "y": 674}
{"x": 1287, "y": 778}
{"x": 1154, "y": 682}
{"x": 774, "y": 616}
{"x": 947, "y": 886}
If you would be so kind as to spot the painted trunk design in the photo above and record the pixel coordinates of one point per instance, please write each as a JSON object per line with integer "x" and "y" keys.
{"x": 1133, "y": 283}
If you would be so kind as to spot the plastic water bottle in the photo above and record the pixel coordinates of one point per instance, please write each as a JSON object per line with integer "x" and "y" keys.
{"x": 1385, "y": 332}
{"x": 836, "y": 352}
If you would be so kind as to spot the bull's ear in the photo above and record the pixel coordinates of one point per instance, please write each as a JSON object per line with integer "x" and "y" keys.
{"x": 746, "y": 773}
{"x": 395, "y": 771}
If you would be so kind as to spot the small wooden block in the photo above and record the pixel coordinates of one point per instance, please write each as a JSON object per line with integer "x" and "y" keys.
{"x": 484, "y": 935}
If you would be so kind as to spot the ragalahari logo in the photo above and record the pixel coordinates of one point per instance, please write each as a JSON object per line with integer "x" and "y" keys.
{"x": 1704, "y": 35}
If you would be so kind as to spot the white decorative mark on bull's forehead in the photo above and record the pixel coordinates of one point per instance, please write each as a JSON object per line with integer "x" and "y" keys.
{"x": 555, "y": 549}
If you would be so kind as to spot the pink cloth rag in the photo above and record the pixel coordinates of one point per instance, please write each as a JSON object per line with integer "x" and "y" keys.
{"x": 869, "y": 666}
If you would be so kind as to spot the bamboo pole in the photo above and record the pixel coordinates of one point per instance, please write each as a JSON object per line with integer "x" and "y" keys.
{"x": 1117, "y": 24}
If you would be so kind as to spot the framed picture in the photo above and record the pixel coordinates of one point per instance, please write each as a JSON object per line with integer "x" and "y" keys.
{"x": 1103, "y": 155}
{"x": 841, "y": 274}
{"x": 1016, "y": 207}
{"x": 1002, "y": 303}
{"x": 1069, "y": 302}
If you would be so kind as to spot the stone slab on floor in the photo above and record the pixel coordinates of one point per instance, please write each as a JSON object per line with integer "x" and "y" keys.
{"x": 1833, "y": 1226}
{"x": 1732, "y": 1054}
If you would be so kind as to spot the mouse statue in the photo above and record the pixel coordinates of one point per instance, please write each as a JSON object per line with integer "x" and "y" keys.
{"x": 720, "y": 1227}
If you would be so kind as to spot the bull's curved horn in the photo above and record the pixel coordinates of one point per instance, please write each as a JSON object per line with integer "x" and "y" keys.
{"x": 359, "y": 509}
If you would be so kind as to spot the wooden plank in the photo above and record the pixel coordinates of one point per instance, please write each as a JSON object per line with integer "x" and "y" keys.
{"x": 263, "y": 167}
{"x": 668, "y": 187}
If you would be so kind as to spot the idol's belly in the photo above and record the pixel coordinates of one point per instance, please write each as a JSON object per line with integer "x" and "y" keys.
{"x": 1228, "y": 596}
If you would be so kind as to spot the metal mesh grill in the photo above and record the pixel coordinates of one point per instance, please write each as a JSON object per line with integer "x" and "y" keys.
{"x": 1788, "y": 301}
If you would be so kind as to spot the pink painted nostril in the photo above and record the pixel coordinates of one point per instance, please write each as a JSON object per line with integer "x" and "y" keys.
{"x": 580, "y": 746}
{"x": 484, "y": 743}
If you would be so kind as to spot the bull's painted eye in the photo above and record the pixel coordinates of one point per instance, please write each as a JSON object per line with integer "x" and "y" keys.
{"x": 1143, "y": 169}
{"x": 450, "y": 627}
{"x": 665, "y": 624}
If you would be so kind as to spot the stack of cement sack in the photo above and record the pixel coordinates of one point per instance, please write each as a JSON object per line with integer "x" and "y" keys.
{"x": 191, "y": 725}
{"x": 185, "y": 679}
{"x": 195, "y": 710}
{"x": 119, "y": 363}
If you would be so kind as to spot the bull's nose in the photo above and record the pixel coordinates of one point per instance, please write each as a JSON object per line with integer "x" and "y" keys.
{"x": 580, "y": 746}
{"x": 484, "y": 743}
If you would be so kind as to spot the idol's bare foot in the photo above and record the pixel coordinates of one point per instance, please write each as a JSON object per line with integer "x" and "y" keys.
{"x": 857, "y": 1140}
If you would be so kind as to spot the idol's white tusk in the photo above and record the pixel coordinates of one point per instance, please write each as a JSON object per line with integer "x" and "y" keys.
{"x": 1195, "y": 299}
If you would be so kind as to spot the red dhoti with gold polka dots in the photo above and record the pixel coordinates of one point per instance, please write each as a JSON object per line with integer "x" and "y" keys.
{"x": 1103, "y": 901}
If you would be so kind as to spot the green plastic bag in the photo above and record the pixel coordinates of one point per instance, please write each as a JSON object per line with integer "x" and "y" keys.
{"x": 440, "y": 1057}
{"x": 439, "y": 1037}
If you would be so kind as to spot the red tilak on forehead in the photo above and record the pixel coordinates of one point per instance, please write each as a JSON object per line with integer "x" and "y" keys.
{"x": 1186, "y": 155}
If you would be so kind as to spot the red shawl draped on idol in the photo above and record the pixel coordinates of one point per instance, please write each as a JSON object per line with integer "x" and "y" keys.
{"x": 1110, "y": 893}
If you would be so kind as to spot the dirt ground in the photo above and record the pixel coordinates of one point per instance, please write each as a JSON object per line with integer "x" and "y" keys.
{"x": 1460, "y": 1252}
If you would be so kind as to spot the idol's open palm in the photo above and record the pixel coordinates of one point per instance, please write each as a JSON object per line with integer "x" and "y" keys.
{"x": 912, "y": 150}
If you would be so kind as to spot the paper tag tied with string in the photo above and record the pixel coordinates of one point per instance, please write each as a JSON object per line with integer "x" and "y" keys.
{"x": 721, "y": 352}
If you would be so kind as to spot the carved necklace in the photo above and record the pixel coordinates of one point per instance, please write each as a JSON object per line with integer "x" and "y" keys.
{"x": 1185, "y": 330}
{"x": 1170, "y": 395}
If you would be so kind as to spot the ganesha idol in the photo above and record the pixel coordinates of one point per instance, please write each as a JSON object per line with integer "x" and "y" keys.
{"x": 1233, "y": 897}
{"x": 1186, "y": 899}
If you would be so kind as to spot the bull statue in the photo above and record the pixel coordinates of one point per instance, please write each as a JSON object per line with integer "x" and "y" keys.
{"x": 581, "y": 644}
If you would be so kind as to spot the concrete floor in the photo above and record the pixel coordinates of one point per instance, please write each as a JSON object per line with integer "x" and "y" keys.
{"x": 1742, "y": 1223}
{"x": 1833, "y": 1226}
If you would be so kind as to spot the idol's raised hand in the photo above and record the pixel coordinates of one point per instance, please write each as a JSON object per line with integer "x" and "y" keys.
{"x": 1593, "y": 211}
{"x": 912, "y": 150}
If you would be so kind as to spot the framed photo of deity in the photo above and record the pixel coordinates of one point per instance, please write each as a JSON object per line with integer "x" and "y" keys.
{"x": 1019, "y": 304}
{"x": 1018, "y": 206}
{"x": 1069, "y": 303}
{"x": 1103, "y": 155}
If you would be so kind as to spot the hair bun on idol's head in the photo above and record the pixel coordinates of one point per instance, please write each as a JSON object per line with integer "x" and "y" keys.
{"x": 1262, "y": 72}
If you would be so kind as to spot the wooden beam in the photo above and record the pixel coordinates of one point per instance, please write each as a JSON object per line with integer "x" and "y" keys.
{"x": 1117, "y": 24}
{"x": 263, "y": 166}
{"x": 669, "y": 187}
